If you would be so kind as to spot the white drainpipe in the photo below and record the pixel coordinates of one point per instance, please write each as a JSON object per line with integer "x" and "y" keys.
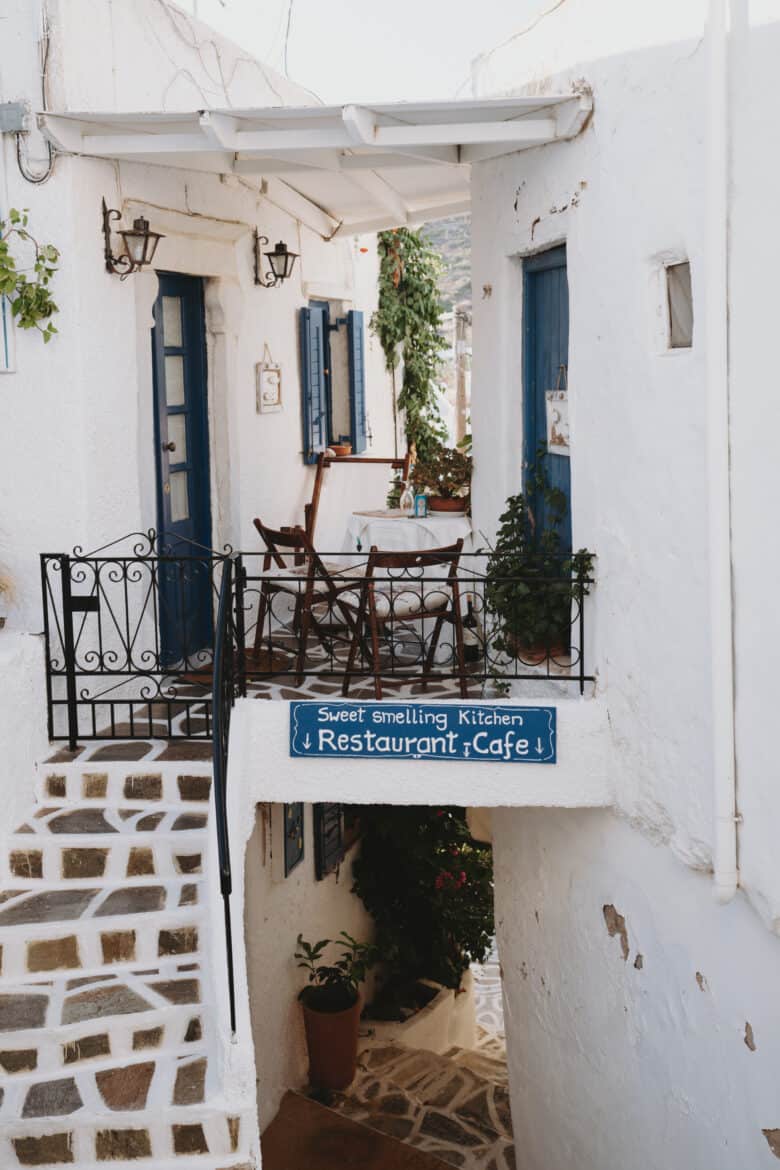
{"x": 726, "y": 873}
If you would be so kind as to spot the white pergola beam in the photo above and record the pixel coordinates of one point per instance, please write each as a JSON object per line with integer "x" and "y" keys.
{"x": 525, "y": 130}
{"x": 360, "y": 124}
{"x": 219, "y": 130}
{"x": 219, "y": 134}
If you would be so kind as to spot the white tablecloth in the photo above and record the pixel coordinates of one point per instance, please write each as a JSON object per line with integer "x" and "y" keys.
{"x": 390, "y": 531}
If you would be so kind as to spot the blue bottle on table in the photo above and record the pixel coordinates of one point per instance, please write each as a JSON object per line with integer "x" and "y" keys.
{"x": 421, "y": 505}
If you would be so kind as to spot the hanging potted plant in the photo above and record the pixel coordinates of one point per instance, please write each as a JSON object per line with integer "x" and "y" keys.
{"x": 332, "y": 1004}
{"x": 445, "y": 477}
{"x": 531, "y": 581}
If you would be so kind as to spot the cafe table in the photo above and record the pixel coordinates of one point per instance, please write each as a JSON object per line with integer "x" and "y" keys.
{"x": 393, "y": 531}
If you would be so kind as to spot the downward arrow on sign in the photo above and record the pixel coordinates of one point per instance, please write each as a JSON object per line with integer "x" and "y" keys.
{"x": 306, "y": 743}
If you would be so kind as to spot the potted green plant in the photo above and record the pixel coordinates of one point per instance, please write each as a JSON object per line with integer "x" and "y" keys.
{"x": 531, "y": 580}
{"x": 332, "y": 1004}
{"x": 429, "y": 888}
{"x": 445, "y": 476}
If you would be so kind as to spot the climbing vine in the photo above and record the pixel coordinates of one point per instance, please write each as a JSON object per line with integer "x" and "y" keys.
{"x": 407, "y": 322}
{"x": 27, "y": 289}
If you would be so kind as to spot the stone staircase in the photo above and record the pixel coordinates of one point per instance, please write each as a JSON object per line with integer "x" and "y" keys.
{"x": 454, "y": 1106}
{"x": 107, "y": 1010}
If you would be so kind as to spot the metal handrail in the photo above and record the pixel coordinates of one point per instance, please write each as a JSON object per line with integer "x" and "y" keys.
{"x": 224, "y": 684}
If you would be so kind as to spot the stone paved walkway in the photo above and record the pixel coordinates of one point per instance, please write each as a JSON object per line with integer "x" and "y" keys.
{"x": 455, "y": 1106}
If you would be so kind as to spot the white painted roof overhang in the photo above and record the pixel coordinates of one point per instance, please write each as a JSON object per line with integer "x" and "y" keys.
{"x": 366, "y": 167}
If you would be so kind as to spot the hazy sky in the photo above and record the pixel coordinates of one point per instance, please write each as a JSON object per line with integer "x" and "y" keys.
{"x": 363, "y": 50}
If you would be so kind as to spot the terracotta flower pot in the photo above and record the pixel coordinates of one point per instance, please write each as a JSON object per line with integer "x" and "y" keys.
{"x": 445, "y": 504}
{"x": 332, "y": 1041}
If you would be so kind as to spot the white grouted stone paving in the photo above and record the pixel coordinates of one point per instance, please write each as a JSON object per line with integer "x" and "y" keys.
{"x": 107, "y": 1037}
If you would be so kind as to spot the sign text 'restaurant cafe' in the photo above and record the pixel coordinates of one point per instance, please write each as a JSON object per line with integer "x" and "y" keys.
{"x": 419, "y": 731}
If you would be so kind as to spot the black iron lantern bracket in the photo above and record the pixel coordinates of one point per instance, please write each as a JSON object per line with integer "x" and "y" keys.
{"x": 281, "y": 262}
{"x": 140, "y": 244}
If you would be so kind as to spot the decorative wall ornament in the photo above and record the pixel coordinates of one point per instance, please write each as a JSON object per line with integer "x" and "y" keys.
{"x": 268, "y": 384}
{"x": 557, "y": 403}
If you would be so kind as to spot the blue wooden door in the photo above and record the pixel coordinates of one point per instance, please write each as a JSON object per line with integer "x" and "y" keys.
{"x": 183, "y": 475}
{"x": 546, "y": 356}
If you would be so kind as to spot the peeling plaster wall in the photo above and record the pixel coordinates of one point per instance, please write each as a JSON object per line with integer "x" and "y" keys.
{"x": 76, "y": 450}
{"x": 642, "y": 1062}
{"x": 277, "y": 910}
{"x": 627, "y": 196}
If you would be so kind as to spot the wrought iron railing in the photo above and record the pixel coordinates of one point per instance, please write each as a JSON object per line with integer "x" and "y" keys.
{"x": 344, "y": 625}
{"x": 130, "y": 632}
{"x": 224, "y": 693}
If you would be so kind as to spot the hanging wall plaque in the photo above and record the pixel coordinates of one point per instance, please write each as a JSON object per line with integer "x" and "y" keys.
{"x": 268, "y": 385}
{"x": 557, "y": 404}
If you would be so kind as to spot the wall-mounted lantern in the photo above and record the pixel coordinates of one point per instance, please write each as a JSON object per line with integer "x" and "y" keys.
{"x": 281, "y": 262}
{"x": 140, "y": 244}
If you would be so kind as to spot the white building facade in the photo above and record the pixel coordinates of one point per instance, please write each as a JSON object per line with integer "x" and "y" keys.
{"x": 640, "y": 1011}
{"x": 644, "y": 1050}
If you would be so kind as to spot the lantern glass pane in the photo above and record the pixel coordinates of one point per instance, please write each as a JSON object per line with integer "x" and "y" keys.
{"x": 135, "y": 245}
{"x": 278, "y": 262}
{"x": 151, "y": 246}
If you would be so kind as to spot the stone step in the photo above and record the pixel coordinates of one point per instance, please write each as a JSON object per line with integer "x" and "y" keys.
{"x": 102, "y": 945}
{"x": 197, "y": 1161}
{"x": 142, "y": 1137}
{"x": 173, "y": 1032}
{"x": 55, "y": 822}
{"x": 63, "y": 1011}
{"x": 116, "y": 784}
{"x": 101, "y": 857}
{"x": 102, "y": 1085}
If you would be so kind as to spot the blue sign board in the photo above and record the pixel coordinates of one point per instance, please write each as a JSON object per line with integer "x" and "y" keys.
{"x": 422, "y": 731}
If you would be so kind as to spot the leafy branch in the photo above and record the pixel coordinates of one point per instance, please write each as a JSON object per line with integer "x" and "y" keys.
{"x": 407, "y": 323}
{"x": 27, "y": 289}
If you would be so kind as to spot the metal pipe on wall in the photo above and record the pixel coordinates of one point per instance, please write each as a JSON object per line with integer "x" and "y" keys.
{"x": 726, "y": 873}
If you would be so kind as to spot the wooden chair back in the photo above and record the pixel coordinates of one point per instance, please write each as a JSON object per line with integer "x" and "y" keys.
{"x": 281, "y": 542}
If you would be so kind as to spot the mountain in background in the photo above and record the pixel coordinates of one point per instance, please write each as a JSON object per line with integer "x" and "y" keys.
{"x": 452, "y": 238}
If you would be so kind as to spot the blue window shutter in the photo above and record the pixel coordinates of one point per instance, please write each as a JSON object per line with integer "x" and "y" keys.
{"x": 357, "y": 381}
{"x": 313, "y": 386}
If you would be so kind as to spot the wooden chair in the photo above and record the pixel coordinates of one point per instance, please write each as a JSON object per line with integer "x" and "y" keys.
{"x": 380, "y": 604}
{"x": 314, "y": 587}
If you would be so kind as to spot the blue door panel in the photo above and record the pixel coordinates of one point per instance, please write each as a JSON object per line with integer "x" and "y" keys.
{"x": 546, "y": 351}
{"x": 182, "y": 468}
{"x": 314, "y": 388}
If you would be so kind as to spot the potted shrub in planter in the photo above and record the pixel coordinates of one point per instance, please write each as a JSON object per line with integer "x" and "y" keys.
{"x": 531, "y": 580}
{"x": 445, "y": 476}
{"x": 332, "y": 1005}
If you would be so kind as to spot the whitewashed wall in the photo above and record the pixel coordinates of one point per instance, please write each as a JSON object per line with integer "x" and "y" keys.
{"x": 627, "y": 196}
{"x": 276, "y": 911}
{"x": 77, "y": 447}
{"x": 637, "y": 1063}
